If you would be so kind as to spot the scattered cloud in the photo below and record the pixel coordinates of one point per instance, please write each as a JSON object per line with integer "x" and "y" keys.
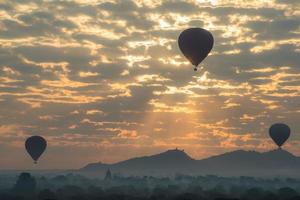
{"x": 106, "y": 79}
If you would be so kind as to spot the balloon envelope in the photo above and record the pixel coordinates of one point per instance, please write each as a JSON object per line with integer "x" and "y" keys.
{"x": 35, "y": 146}
{"x": 279, "y": 133}
{"x": 195, "y": 44}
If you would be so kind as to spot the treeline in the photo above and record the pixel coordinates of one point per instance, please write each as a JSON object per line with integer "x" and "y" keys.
{"x": 71, "y": 192}
{"x": 75, "y": 187}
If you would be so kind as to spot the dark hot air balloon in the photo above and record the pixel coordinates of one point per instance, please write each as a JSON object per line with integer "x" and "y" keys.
{"x": 279, "y": 133}
{"x": 195, "y": 44}
{"x": 35, "y": 146}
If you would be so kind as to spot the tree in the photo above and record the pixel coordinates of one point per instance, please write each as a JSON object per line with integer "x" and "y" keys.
{"x": 46, "y": 194}
{"x": 26, "y": 184}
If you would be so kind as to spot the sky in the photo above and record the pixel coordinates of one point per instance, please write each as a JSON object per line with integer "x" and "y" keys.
{"x": 105, "y": 80}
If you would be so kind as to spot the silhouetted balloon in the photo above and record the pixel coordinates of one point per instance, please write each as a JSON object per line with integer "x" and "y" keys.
{"x": 195, "y": 44}
{"x": 279, "y": 133}
{"x": 35, "y": 146}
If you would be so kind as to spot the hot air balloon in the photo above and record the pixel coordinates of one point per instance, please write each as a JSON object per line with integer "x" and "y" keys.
{"x": 35, "y": 146}
{"x": 279, "y": 133}
{"x": 195, "y": 44}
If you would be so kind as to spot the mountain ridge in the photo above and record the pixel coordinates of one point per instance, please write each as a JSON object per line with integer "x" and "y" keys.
{"x": 239, "y": 162}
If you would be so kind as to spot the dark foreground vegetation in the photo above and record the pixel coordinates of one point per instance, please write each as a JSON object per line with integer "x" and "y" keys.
{"x": 116, "y": 187}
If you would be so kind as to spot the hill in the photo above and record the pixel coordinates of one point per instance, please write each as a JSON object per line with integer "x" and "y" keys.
{"x": 237, "y": 163}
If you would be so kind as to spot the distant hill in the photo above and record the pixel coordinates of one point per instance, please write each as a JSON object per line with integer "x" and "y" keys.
{"x": 251, "y": 163}
{"x": 164, "y": 163}
{"x": 237, "y": 163}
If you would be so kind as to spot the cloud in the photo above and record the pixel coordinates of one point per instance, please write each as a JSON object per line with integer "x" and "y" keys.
{"x": 106, "y": 79}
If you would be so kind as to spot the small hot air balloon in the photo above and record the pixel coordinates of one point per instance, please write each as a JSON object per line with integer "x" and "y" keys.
{"x": 279, "y": 133}
{"x": 35, "y": 146}
{"x": 195, "y": 44}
